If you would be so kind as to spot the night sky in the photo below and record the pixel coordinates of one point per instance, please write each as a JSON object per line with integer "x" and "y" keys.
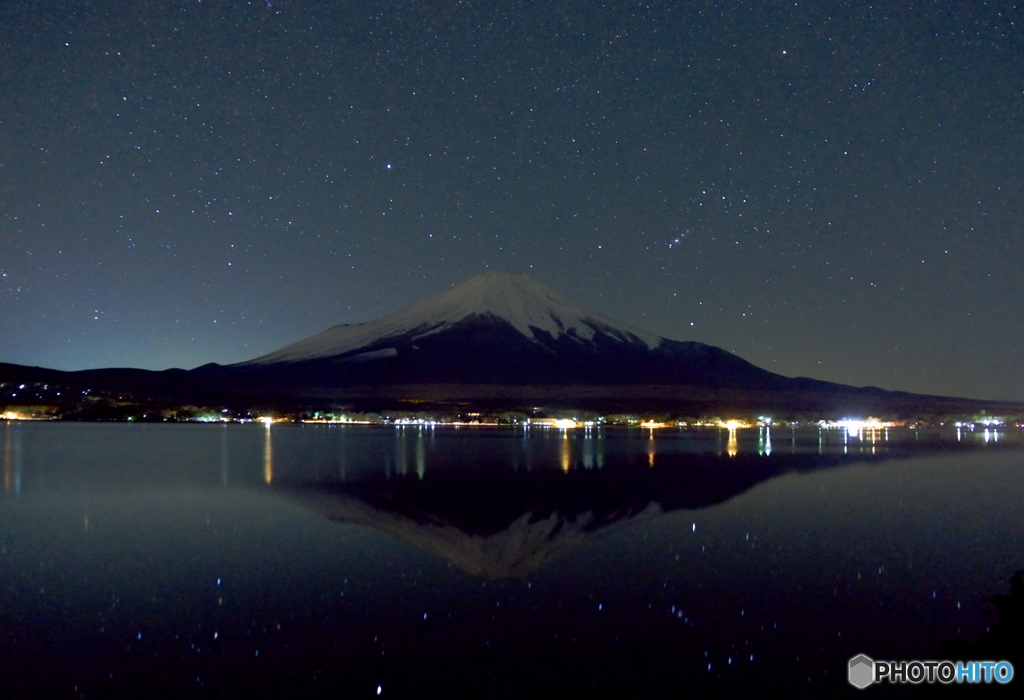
{"x": 828, "y": 189}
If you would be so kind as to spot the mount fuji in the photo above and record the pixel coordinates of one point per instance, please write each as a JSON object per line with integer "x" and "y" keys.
{"x": 501, "y": 328}
{"x": 516, "y": 300}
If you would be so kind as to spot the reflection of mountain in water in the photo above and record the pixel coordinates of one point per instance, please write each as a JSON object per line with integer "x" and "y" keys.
{"x": 508, "y": 524}
{"x": 520, "y": 547}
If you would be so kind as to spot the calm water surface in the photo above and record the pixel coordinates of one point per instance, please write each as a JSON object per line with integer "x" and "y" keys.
{"x": 347, "y": 561}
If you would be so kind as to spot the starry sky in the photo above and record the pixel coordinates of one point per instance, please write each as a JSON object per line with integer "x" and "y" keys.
{"x": 828, "y": 189}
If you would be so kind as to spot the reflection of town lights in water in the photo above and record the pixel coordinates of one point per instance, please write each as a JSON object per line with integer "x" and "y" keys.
{"x": 764, "y": 442}
{"x": 731, "y": 446}
{"x": 650, "y": 450}
{"x": 268, "y": 463}
{"x": 421, "y": 455}
{"x": 401, "y": 455}
{"x": 565, "y": 452}
{"x": 12, "y": 459}
{"x": 588, "y": 450}
{"x": 8, "y": 462}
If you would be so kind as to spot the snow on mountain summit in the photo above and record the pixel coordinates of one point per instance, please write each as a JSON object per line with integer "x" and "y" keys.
{"x": 517, "y": 299}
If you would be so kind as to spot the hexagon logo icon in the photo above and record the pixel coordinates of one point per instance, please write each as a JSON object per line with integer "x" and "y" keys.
{"x": 862, "y": 671}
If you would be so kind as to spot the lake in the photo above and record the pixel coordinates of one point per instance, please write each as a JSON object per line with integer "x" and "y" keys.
{"x": 184, "y": 560}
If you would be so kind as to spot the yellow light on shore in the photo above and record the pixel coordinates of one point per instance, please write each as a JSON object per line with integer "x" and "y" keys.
{"x": 18, "y": 415}
{"x": 651, "y": 425}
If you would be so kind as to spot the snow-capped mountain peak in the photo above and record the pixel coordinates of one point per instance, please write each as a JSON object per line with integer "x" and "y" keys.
{"x": 517, "y": 299}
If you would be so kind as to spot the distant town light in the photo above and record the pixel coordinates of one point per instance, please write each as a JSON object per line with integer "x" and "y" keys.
{"x": 854, "y": 426}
